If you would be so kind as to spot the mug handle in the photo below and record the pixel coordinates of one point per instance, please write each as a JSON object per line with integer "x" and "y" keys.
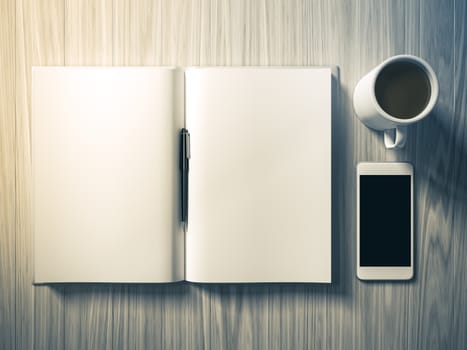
{"x": 395, "y": 138}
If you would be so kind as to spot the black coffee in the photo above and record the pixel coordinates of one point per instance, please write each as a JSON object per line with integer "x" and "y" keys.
{"x": 403, "y": 89}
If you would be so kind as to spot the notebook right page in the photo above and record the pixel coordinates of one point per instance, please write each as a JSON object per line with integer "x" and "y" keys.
{"x": 260, "y": 175}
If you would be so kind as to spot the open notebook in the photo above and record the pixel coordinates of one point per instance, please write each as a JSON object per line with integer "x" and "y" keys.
{"x": 106, "y": 178}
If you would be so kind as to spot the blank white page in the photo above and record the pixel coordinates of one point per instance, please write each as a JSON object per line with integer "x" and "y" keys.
{"x": 260, "y": 174}
{"x": 105, "y": 174}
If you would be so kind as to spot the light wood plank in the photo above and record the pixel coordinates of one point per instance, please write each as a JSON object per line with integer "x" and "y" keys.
{"x": 317, "y": 317}
{"x": 49, "y": 332}
{"x": 396, "y": 299}
{"x": 24, "y": 305}
{"x": 130, "y": 19}
{"x": 186, "y": 317}
{"x": 7, "y": 175}
{"x": 383, "y": 29}
{"x": 162, "y": 316}
{"x": 145, "y": 321}
{"x": 297, "y": 313}
{"x": 39, "y": 37}
{"x": 88, "y": 41}
{"x": 336, "y": 45}
{"x": 88, "y": 317}
{"x": 121, "y": 38}
{"x": 48, "y": 301}
{"x": 458, "y": 235}
{"x": 287, "y": 317}
{"x": 397, "y": 316}
{"x": 376, "y": 27}
{"x": 239, "y": 317}
{"x": 330, "y": 44}
{"x": 88, "y": 32}
{"x": 235, "y": 33}
{"x": 433, "y": 161}
{"x": 175, "y": 30}
{"x": 158, "y": 316}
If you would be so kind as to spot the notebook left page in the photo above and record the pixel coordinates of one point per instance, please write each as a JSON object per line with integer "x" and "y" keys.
{"x": 105, "y": 174}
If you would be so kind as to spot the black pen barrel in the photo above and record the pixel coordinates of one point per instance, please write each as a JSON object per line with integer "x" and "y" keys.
{"x": 184, "y": 168}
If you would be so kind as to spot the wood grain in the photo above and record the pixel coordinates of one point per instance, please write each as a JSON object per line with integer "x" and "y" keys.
{"x": 339, "y": 300}
{"x": 160, "y": 316}
{"x": 429, "y": 312}
{"x": 7, "y": 175}
{"x": 88, "y": 318}
{"x": 88, "y": 32}
{"x": 235, "y": 33}
{"x": 287, "y": 317}
{"x": 458, "y": 310}
{"x": 435, "y": 192}
{"x": 49, "y": 318}
{"x": 48, "y": 302}
{"x": 388, "y": 303}
{"x": 39, "y": 319}
{"x": 239, "y": 317}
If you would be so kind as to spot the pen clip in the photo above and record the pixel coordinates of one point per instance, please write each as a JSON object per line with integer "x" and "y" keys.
{"x": 187, "y": 145}
{"x": 184, "y": 148}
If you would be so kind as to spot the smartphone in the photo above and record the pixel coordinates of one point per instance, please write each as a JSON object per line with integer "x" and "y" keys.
{"x": 385, "y": 243}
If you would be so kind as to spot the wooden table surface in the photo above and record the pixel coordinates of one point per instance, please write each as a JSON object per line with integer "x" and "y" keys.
{"x": 429, "y": 312}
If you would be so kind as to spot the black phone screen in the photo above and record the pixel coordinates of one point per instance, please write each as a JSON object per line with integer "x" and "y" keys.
{"x": 385, "y": 210}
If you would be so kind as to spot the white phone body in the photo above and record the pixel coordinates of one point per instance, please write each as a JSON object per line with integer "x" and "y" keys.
{"x": 383, "y": 254}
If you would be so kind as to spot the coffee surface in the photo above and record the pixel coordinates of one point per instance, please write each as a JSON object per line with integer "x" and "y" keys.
{"x": 402, "y": 89}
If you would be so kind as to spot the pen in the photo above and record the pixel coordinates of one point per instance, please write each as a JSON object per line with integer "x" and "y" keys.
{"x": 184, "y": 168}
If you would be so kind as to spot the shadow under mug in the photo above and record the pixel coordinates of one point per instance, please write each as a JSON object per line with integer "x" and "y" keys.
{"x": 372, "y": 114}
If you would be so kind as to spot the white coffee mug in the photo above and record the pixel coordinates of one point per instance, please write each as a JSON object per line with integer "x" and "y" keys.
{"x": 372, "y": 114}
